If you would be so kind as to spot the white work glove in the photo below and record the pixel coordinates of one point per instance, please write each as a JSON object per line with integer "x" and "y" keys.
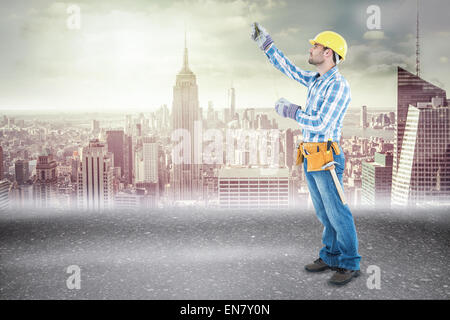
{"x": 260, "y": 36}
{"x": 286, "y": 109}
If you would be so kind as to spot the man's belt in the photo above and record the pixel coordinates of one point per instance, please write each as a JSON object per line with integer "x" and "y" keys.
{"x": 317, "y": 153}
{"x": 320, "y": 157}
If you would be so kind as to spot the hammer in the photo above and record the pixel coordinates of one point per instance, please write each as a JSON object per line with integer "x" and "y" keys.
{"x": 257, "y": 31}
{"x": 335, "y": 180}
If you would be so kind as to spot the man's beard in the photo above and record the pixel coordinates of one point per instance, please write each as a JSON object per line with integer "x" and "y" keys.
{"x": 314, "y": 62}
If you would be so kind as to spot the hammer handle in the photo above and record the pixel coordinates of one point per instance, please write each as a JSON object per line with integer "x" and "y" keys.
{"x": 338, "y": 186}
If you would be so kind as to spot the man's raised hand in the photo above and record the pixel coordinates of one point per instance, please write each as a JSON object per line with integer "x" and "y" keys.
{"x": 261, "y": 36}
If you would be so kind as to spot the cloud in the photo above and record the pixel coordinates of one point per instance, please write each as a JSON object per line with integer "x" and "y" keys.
{"x": 445, "y": 34}
{"x": 128, "y": 53}
{"x": 271, "y": 4}
{"x": 287, "y": 32}
{"x": 376, "y": 60}
{"x": 374, "y": 35}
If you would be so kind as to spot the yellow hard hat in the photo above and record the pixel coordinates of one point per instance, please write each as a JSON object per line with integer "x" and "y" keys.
{"x": 333, "y": 41}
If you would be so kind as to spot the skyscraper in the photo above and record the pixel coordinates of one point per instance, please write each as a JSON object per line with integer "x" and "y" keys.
{"x": 46, "y": 167}
{"x": 128, "y": 159}
{"x": 95, "y": 126}
{"x": 363, "y": 122}
{"x": 128, "y": 124}
{"x": 138, "y": 165}
{"x": 232, "y": 98}
{"x": 164, "y": 119}
{"x": 1, "y": 163}
{"x": 423, "y": 174}
{"x": 95, "y": 178}
{"x": 377, "y": 180}
{"x": 138, "y": 130}
{"x": 115, "y": 139}
{"x": 4, "y": 194}
{"x": 75, "y": 163}
{"x": 22, "y": 171}
{"x": 411, "y": 89}
{"x": 186, "y": 179}
{"x": 45, "y": 186}
{"x": 150, "y": 159}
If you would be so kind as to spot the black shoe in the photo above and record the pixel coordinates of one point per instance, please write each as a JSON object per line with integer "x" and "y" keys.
{"x": 317, "y": 266}
{"x": 343, "y": 276}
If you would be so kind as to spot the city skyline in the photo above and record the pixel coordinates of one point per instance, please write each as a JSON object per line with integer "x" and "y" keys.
{"x": 178, "y": 153}
{"x": 124, "y": 57}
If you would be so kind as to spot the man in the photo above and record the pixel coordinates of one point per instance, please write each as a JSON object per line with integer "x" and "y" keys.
{"x": 321, "y": 122}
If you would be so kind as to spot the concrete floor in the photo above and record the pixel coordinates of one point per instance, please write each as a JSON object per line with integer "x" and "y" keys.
{"x": 213, "y": 254}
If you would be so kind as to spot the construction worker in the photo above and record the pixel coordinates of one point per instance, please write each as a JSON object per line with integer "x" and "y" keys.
{"x": 321, "y": 123}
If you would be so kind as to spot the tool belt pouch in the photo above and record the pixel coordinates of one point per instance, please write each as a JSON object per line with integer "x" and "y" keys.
{"x": 317, "y": 157}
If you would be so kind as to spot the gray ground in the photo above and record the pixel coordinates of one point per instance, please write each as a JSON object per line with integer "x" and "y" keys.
{"x": 205, "y": 254}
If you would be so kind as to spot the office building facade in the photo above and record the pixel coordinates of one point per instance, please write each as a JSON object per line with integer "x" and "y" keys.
{"x": 376, "y": 181}
{"x": 423, "y": 175}
{"x": 253, "y": 188}
{"x": 45, "y": 188}
{"x": 95, "y": 177}
{"x": 411, "y": 89}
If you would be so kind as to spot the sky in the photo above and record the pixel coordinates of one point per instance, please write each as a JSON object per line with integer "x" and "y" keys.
{"x": 126, "y": 54}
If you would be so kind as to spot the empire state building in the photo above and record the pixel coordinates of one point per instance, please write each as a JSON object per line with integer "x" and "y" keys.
{"x": 185, "y": 177}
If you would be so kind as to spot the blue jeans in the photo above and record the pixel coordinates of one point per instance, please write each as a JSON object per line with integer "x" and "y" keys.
{"x": 339, "y": 232}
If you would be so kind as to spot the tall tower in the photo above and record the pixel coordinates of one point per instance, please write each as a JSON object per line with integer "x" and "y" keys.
{"x": 232, "y": 98}
{"x": 95, "y": 126}
{"x": 95, "y": 178}
{"x": 411, "y": 89}
{"x": 417, "y": 43}
{"x": 1, "y": 163}
{"x": 128, "y": 159}
{"x": 115, "y": 141}
{"x": 363, "y": 119}
{"x": 22, "y": 171}
{"x": 150, "y": 159}
{"x": 421, "y": 166}
{"x": 4, "y": 194}
{"x": 376, "y": 180}
{"x": 128, "y": 125}
{"x": 185, "y": 178}
{"x": 423, "y": 174}
{"x": 45, "y": 186}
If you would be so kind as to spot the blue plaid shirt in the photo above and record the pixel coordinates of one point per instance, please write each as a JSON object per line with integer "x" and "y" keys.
{"x": 327, "y": 101}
